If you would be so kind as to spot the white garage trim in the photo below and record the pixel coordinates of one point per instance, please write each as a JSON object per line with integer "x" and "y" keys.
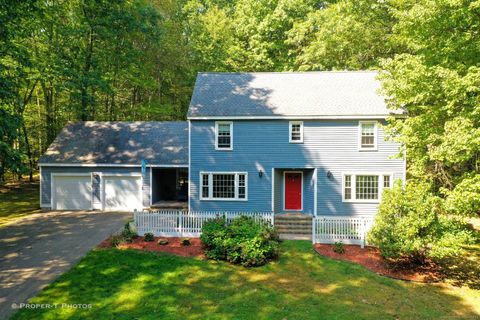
{"x": 151, "y": 201}
{"x": 53, "y": 191}
{"x": 105, "y": 177}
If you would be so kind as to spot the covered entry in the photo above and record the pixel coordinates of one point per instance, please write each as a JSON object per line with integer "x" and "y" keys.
{"x": 293, "y": 190}
{"x": 170, "y": 188}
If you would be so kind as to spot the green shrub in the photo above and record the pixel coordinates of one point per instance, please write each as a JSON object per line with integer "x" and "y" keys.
{"x": 116, "y": 240}
{"x": 149, "y": 237}
{"x": 338, "y": 247}
{"x": 212, "y": 237}
{"x": 128, "y": 234}
{"x": 244, "y": 241}
{"x": 411, "y": 223}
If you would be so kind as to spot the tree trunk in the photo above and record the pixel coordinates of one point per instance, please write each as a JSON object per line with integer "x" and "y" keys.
{"x": 29, "y": 152}
{"x": 85, "y": 112}
{"x": 49, "y": 112}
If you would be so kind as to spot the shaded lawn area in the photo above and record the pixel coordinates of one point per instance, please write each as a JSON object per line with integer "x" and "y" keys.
{"x": 127, "y": 284}
{"x": 17, "y": 201}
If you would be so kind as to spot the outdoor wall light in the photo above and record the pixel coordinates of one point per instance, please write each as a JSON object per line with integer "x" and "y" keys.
{"x": 260, "y": 173}
{"x": 329, "y": 175}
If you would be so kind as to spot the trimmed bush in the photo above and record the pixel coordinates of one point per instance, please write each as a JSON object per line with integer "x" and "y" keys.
{"x": 128, "y": 234}
{"x": 338, "y": 247}
{"x": 212, "y": 237}
{"x": 116, "y": 240}
{"x": 244, "y": 241}
{"x": 149, "y": 237}
{"x": 411, "y": 224}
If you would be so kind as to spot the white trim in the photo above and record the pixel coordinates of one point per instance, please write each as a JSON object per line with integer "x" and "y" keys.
{"x": 189, "y": 162}
{"x": 301, "y": 195}
{"x": 167, "y": 165}
{"x": 315, "y": 195}
{"x": 353, "y": 182}
{"x": 379, "y": 116}
{"x": 231, "y": 135}
{"x": 131, "y": 174}
{"x": 151, "y": 195}
{"x": 111, "y": 165}
{"x": 65, "y": 174}
{"x": 52, "y": 186}
{"x": 210, "y": 185}
{"x": 404, "y": 176}
{"x": 127, "y": 174}
{"x": 273, "y": 191}
{"x": 375, "y": 136}
{"x": 290, "y": 123}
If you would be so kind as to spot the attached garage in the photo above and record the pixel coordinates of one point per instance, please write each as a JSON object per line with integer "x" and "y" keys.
{"x": 72, "y": 192}
{"x": 122, "y": 193}
{"x": 108, "y": 165}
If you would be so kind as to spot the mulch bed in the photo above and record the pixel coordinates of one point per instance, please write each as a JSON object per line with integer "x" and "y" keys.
{"x": 174, "y": 246}
{"x": 370, "y": 258}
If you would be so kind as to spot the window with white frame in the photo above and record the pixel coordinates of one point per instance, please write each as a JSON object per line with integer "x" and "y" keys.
{"x": 223, "y": 135}
{"x": 368, "y": 135}
{"x": 223, "y": 186}
{"x": 386, "y": 181}
{"x": 364, "y": 187}
{"x": 296, "y": 131}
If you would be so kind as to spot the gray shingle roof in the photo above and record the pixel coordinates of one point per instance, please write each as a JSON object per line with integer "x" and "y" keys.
{"x": 349, "y": 93}
{"x": 94, "y": 142}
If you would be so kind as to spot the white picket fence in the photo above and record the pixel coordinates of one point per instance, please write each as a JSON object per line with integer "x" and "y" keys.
{"x": 177, "y": 223}
{"x": 348, "y": 230}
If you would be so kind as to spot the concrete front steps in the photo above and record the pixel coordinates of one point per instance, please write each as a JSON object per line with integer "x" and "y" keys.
{"x": 294, "y": 226}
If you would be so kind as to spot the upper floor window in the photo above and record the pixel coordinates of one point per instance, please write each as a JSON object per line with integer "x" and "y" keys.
{"x": 223, "y": 135}
{"x": 223, "y": 186}
{"x": 368, "y": 135}
{"x": 296, "y": 132}
{"x": 364, "y": 187}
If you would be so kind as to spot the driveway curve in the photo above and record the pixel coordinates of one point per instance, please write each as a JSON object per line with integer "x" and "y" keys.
{"x": 36, "y": 250}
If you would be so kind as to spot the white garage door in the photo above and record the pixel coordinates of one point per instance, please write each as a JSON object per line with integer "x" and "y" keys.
{"x": 122, "y": 193}
{"x": 72, "y": 192}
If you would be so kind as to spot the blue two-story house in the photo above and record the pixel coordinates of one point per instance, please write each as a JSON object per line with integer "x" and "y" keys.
{"x": 310, "y": 143}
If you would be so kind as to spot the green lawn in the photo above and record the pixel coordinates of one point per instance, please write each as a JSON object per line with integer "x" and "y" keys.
{"x": 126, "y": 284}
{"x": 17, "y": 201}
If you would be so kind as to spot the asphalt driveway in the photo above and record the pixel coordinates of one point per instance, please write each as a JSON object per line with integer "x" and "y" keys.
{"x": 37, "y": 249}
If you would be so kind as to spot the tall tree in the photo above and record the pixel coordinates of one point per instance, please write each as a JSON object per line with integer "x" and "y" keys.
{"x": 16, "y": 87}
{"x": 436, "y": 81}
{"x": 345, "y": 35}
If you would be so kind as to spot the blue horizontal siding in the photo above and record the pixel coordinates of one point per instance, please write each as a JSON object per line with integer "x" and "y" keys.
{"x": 329, "y": 145}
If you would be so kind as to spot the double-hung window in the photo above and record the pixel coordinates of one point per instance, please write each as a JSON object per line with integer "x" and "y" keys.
{"x": 223, "y": 135}
{"x": 295, "y": 132}
{"x": 367, "y": 135}
{"x": 223, "y": 185}
{"x": 365, "y": 187}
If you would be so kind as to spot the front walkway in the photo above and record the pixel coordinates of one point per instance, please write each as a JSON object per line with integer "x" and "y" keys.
{"x": 36, "y": 250}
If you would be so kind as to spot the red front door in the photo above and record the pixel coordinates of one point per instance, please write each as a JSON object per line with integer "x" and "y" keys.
{"x": 293, "y": 191}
